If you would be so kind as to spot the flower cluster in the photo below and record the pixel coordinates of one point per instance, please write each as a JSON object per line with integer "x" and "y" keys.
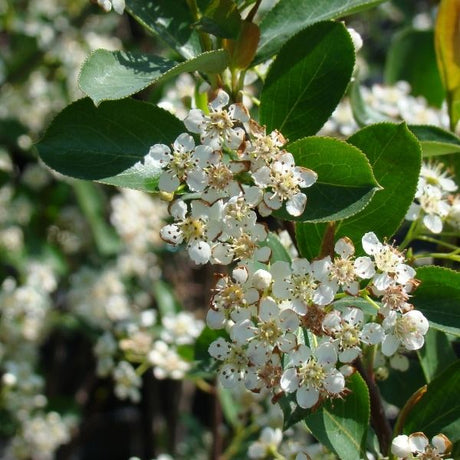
{"x": 236, "y": 171}
{"x": 433, "y": 199}
{"x": 267, "y": 312}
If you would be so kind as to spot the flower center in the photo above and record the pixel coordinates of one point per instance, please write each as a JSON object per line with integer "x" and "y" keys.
{"x": 269, "y": 332}
{"x": 312, "y": 374}
{"x": 219, "y": 176}
{"x": 303, "y": 287}
{"x": 343, "y": 271}
{"x": 387, "y": 259}
{"x": 192, "y": 229}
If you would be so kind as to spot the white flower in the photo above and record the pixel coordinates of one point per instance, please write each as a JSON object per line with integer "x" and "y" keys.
{"x": 339, "y": 272}
{"x": 167, "y": 362}
{"x": 184, "y": 164}
{"x": 274, "y": 328}
{"x": 117, "y": 5}
{"x": 387, "y": 266}
{"x": 408, "y": 329}
{"x": 232, "y": 298}
{"x": 298, "y": 284}
{"x": 431, "y": 205}
{"x": 218, "y": 128}
{"x": 234, "y": 368}
{"x": 433, "y": 174}
{"x": 267, "y": 444}
{"x": 312, "y": 375}
{"x": 348, "y": 332}
{"x": 181, "y": 328}
{"x": 283, "y": 181}
{"x": 197, "y": 229}
{"x": 127, "y": 382}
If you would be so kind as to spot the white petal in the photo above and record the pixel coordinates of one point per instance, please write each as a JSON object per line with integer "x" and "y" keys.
{"x": 194, "y": 121}
{"x": 168, "y": 182}
{"x": 349, "y": 355}
{"x": 433, "y": 223}
{"x": 326, "y": 354}
{"x": 215, "y": 319}
{"x": 289, "y": 380}
{"x": 268, "y": 309}
{"x": 371, "y": 243}
{"x": 184, "y": 142}
{"x": 418, "y": 442}
{"x": 372, "y": 333}
{"x": 390, "y": 345}
{"x": 220, "y": 101}
{"x": 219, "y": 349}
{"x": 295, "y": 206}
{"x": 307, "y": 397}
{"x": 334, "y": 382}
{"x": 171, "y": 234}
{"x": 199, "y": 252}
{"x": 400, "y": 446}
{"x": 364, "y": 267}
{"x": 344, "y": 247}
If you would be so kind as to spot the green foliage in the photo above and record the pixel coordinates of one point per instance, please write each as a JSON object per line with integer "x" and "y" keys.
{"x": 170, "y": 21}
{"x": 438, "y": 298}
{"x": 345, "y": 182}
{"x": 398, "y": 175}
{"x": 307, "y": 80}
{"x": 289, "y": 17}
{"x": 110, "y": 75}
{"x": 165, "y": 298}
{"x": 104, "y": 143}
{"x": 341, "y": 424}
{"x": 435, "y": 141}
{"x": 436, "y": 355}
{"x": 221, "y": 18}
{"x": 412, "y": 58}
{"x": 438, "y": 411}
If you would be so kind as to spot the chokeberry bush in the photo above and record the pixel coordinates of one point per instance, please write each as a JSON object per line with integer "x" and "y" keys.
{"x": 241, "y": 237}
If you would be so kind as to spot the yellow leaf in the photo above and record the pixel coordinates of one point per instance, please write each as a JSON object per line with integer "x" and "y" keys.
{"x": 447, "y": 43}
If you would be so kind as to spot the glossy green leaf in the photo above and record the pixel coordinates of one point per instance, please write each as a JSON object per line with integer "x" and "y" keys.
{"x": 171, "y": 21}
{"x": 436, "y": 355}
{"x": 438, "y": 298}
{"x": 288, "y": 17}
{"x": 435, "y": 140}
{"x": 341, "y": 424}
{"x": 396, "y": 172}
{"x": 92, "y": 203}
{"x": 221, "y": 18}
{"x": 105, "y": 143}
{"x": 345, "y": 181}
{"x": 412, "y": 58}
{"x": 307, "y": 80}
{"x": 400, "y": 385}
{"x": 438, "y": 411}
{"x": 110, "y": 75}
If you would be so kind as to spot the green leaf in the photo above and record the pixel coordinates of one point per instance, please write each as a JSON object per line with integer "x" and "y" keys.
{"x": 436, "y": 355}
{"x": 291, "y": 16}
{"x": 400, "y": 385}
{"x": 345, "y": 180}
{"x": 104, "y": 143}
{"x": 91, "y": 201}
{"x": 307, "y": 80}
{"x": 110, "y": 75}
{"x": 435, "y": 141}
{"x": 363, "y": 113}
{"x": 438, "y": 298}
{"x": 398, "y": 175}
{"x": 222, "y": 19}
{"x": 341, "y": 424}
{"x": 171, "y": 21}
{"x": 438, "y": 411}
{"x": 412, "y": 58}
{"x": 165, "y": 298}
